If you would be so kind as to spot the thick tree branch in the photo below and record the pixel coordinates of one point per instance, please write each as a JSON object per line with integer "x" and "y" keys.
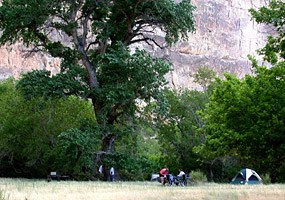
{"x": 93, "y": 82}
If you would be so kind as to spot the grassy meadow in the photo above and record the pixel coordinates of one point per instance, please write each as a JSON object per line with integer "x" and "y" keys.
{"x": 23, "y": 189}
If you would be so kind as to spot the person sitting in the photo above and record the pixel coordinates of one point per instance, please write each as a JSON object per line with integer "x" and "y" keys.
{"x": 181, "y": 173}
{"x": 182, "y": 178}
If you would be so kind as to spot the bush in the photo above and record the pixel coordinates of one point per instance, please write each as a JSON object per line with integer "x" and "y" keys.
{"x": 131, "y": 168}
{"x": 266, "y": 178}
{"x": 197, "y": 177}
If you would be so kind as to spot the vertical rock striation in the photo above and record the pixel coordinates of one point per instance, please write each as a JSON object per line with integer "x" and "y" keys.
{"x": 225, "y": 36}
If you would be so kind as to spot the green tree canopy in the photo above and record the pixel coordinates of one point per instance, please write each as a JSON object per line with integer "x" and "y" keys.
{"x": 245, "y": 119}
{"x": 177, "y": 135}
{"x": 29, "y": 131}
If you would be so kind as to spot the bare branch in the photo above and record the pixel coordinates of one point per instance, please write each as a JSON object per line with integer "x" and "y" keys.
{"x": 146, "y": 40}
{"x": 35, "y": 49}
{"x": 92, "y": 43}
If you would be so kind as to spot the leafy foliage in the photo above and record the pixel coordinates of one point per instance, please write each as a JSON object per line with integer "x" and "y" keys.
{"x": 198, "y": 176}
{"x": 39, "y": 83}
{"x": 76, "y": 147}
{"x": 204, "y": 77}
{"x": 273, "y": 15}
{"x": 121, "y": 77}
{"x": 177, "y": 135}
{"x": 244, "y": 118}
{"x": 29, "y": 130}
{"x": 132, "y": 167}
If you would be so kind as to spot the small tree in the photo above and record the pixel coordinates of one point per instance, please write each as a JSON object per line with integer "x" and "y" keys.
{"x": 204, "y": 77}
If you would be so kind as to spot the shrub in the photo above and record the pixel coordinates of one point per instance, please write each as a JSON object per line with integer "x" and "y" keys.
{"x": 198, "y": 176}
{"x": 266, "y": 178}
{"x": 131, "y": 168}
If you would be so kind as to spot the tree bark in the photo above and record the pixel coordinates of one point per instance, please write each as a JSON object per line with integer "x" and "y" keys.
{"x": 108, "y": 143}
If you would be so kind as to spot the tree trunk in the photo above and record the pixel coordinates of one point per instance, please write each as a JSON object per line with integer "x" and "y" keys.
{"x": 108, "y": 143}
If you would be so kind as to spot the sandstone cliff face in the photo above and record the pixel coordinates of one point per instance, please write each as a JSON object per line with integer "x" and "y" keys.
{"x": 16, "y": 59}
{"x": 224, "y": 37}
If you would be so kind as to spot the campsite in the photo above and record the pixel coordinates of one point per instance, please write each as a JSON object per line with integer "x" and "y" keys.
{"x": 246, "y": 185}
{"x": 133, "y": 92}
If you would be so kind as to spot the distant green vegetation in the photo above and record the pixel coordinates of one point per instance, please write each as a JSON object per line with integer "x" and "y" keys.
{"x": 30, "y": 130}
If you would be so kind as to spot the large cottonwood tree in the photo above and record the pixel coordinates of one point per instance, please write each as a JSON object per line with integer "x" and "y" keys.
{"x": 92, "y": 38}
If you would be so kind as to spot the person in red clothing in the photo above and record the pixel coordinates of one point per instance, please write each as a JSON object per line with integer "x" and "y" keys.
{"x": 162, "y": 173}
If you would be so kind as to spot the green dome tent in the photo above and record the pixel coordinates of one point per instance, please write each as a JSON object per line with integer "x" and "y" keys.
{"x": 246, "y": 176}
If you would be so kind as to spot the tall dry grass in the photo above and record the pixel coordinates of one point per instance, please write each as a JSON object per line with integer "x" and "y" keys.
{"x": 22, "y": 189}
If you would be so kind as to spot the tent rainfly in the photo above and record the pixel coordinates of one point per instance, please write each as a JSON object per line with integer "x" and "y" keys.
{"x": 246, "y": 176}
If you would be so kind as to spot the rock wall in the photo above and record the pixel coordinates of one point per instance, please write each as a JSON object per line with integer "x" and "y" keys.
{"x": 224, "y": 37}
{"x": 16, "y": 59}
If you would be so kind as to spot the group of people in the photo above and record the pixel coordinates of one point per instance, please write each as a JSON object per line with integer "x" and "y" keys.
{"x": 111, "y": 172}
{"x": 165, "y": 177}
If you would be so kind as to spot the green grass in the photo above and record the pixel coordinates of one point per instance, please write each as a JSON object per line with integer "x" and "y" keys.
{"x": 23, "y": 189}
